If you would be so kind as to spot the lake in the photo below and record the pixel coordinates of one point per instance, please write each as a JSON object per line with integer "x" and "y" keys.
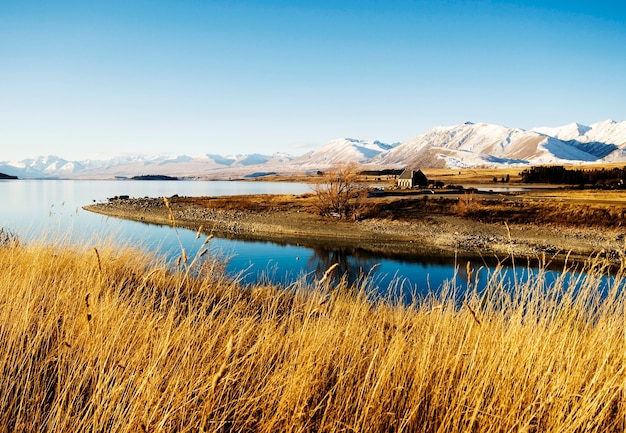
{"x": 34, "y": 208}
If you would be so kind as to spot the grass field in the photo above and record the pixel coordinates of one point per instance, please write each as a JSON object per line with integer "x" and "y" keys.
{"x": 111, "y": 339}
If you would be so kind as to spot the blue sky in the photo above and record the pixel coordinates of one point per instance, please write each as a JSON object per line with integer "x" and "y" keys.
{"x": 88, "y": 79}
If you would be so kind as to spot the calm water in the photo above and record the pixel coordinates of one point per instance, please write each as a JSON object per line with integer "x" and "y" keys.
{"x": 32, "y": 208}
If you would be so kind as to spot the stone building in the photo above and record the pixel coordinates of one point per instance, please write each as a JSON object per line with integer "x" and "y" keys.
{"x": 412, "y": 179}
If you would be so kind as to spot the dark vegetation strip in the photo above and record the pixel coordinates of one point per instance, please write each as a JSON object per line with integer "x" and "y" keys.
{"x": 613, "y": 177}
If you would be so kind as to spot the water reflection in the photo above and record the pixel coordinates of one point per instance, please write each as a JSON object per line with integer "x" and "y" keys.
{"x": 285, "y": 264}
{"x": 407, "y": 277}
{"x": 353, "y": 263}
{"x": 41, "y": 208}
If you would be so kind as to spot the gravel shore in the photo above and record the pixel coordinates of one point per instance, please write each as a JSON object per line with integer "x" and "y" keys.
{"x": 434, "y": 234}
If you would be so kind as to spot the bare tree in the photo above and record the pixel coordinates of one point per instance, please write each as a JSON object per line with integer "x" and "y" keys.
{"x": 337, "y": 188}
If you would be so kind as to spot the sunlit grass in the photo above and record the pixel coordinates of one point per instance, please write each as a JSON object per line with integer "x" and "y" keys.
{"x": 112, "y": 339}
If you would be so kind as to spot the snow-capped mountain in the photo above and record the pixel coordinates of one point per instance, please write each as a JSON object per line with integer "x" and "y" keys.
{"x": 608, "y": 132}
{"x": 464, "y": 145}
{"x": 343, "y": 150}
{"x": 41, "y": 167}
{"x": 202, "y": 166}
{"x": 605, "y": 139}
{"x": 480, "y": 145}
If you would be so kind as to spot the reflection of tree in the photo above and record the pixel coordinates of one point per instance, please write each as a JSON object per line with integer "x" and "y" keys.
{"x": 353, "y": 263}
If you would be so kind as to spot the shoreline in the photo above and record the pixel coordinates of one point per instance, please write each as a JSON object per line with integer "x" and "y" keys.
{"x": 290, "y": 221}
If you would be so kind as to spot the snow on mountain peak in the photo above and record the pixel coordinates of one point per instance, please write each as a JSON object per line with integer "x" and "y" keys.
{"x": 604, "y": 123}
{"x": 342, "y": 150}
{"x": 571, "y": 131}
{"x": 463, "y": 145}
{"x": 482, "y": 144}
{"x": 606, "y": 132}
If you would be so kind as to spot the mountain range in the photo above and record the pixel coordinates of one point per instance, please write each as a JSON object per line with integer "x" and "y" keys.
{"x": 467, "y": 145}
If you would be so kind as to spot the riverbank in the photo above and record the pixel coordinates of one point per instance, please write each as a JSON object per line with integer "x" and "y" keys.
{"x": 392, "y": 226}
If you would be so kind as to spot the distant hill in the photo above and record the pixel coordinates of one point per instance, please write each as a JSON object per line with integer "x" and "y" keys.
{"x": 6, "y": 176}
{"x": 153, "y": 177}
{"x": 467, "y": 145}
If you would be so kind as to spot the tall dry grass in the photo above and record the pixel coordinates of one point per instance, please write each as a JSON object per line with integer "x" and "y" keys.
{"x": 110, "y": 339}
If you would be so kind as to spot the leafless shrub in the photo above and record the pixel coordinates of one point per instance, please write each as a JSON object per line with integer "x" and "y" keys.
{"x": 338, "y": 191}
{"x": 469, "y": 203}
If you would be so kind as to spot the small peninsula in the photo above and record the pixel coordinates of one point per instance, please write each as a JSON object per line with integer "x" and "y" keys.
{"x": 552, "y": 224}
{"x": 7, "y": 177}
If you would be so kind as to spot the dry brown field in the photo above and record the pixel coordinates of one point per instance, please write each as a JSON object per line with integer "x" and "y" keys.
{"x": 101, "y": 338}
{"x": 465, "y": 176}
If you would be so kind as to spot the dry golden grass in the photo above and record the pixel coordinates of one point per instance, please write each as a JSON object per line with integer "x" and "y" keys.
{"x": 253, "y": 203}
{"x": 473, "y": 176}
{"x": 543, "y": 212}
{"x": 466, "y": 176}
{"x": 110, "y": 339}
{"x": 570, "y": 207}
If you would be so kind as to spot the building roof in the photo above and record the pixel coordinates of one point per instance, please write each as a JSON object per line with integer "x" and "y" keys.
{"x": 406, "y": 174}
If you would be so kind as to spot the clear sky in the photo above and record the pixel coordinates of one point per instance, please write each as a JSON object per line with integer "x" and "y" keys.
{"x": 86, "y": 79}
